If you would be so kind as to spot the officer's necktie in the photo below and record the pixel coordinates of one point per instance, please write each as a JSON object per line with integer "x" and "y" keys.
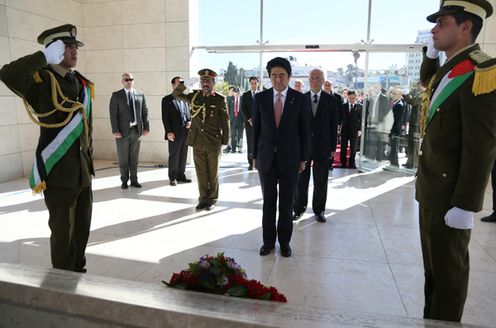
{"x": 278, "y": 109}
{"x": 131, "y": 107}
{"x": 72, "y": 80}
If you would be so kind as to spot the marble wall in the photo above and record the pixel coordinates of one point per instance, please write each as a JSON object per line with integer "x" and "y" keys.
{"x": 148, "y": 38}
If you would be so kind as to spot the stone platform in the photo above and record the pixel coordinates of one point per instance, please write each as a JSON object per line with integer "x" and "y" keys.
{"x": 36, "y": 297}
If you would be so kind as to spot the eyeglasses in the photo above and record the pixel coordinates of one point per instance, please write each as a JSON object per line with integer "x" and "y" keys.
{"x": 127, "y": 80}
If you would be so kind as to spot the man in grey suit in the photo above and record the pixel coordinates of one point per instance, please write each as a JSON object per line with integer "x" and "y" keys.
{"x": 129, "y": 120}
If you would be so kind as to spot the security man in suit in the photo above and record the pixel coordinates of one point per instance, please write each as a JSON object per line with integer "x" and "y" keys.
{"x": 247, "y": 110}
{"x": 236, "y": 120}
{"x": 129, "y": 121}
{"x": 209, "y": 131}
{"x": 176, "y": 118}
{"x": 351, "y": 128}
{"x": 58, "y": 99}
{"x": 324, "y": 115}
{"x": 457, "y": 152}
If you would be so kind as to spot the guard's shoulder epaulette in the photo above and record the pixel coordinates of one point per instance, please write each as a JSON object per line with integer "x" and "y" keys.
{"x": 79, "y": 75}
{"x": 219, "y": 95}
{"x": 485, "y": 73}
{"x": 91, "y": 85}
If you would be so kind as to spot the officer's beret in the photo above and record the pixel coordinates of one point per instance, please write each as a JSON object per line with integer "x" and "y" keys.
{"x": 66, "y": 33}
{"x": 207, "y": 74}
{"x": 481, "y": 8}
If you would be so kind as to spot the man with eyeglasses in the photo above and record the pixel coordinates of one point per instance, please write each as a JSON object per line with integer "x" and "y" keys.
{"x": 324, "y": 115}
{"x": 129, "y": 121}
{"x": 59, "y": 100}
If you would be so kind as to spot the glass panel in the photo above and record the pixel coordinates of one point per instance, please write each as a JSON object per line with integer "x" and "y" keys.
{"x": 392, "y": 120}
{"x": 228, "y": 22}
{"x": 398, "y": 21}
{"x": 315, "y": 21}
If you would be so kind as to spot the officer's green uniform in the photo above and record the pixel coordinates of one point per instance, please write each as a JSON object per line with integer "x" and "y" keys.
{"x": 455, "y": 160}
{"x": 208, "y": 132}
{"x": 66, "y": 182}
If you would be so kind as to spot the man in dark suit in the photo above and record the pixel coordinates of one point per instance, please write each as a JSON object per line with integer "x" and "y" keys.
{"x": 394, "y": 135}
{"x": 457, "y": 152}
{"x": 129, "y": 120}
{"x": 351, "y": 126}
{"x": 176, "y": 118}
{"x": 236, "y": 121}
{"x": 324, "y": 123}
{"x": 281, "y": 132}
{"x": 63, "y": 161}
{"x": 247, "y": 110}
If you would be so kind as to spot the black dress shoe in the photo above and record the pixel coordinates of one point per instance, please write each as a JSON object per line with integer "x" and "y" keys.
{"x": 184, "y": 180}
{"x": 250, "y": 167}
{"x": 489, "y": 218}
{"x": 82, "y": 270}
{"x": 343, "y": 166}
{"x": 173, "y": 182}
{"x": 135, "y": 184}
{"x": 210, "y": 207}
{"x": 265, "y": 249}
{"x": 124, "y": 185}
{"x": 201, "y": 206}
{"x": 285, "y": 250}
{"x": 320, "y": 217}
{"x": 297, "y": 215}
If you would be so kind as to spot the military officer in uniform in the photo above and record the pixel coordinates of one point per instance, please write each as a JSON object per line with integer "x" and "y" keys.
{"x": 457, "y": 152}
{"x": 209, "y": 131}
{"x": 58, "y": 99}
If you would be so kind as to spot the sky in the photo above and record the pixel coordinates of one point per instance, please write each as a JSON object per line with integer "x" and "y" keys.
{"x": 236, "y": 22}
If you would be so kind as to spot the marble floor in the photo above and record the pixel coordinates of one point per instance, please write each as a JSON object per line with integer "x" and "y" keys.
{"x": 365, "y": 259}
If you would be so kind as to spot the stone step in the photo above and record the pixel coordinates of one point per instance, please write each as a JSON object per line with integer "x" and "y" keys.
{"x": 39, "y": 297}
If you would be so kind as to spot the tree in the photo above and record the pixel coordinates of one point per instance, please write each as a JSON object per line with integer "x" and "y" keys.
{"x": 231, "y": 75}
{"x": 222, "y": 88}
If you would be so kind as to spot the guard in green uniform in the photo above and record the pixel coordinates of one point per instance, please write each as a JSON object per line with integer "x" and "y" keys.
{"x": 209, "y": 131}
{"x": 58, "y": 99}
{"x": 457, "y": 152}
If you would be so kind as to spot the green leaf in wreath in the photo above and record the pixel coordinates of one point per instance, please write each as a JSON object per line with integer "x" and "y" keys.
{"x": 237, "y": 290}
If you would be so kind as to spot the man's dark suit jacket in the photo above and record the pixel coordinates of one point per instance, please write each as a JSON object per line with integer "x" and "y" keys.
{"x": 120, "y": 113}
{"x": 247, "y": 105}
{"x": 323, "y": 128}
{"x": 291, "y": 139}
{"x": 351, "y": 121}
{"x": 230, "y": 107}
{"x": 171, "y": 118}
{"x": 398, "y": 110}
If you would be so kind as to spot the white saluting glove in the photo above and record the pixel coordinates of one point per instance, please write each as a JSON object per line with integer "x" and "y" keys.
{"x": 459, "y": 219}
{"x": 54, "y": 53}
{"x": 431, "y": 52}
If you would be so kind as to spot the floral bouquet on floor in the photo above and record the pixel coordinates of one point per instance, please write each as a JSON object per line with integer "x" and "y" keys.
{"x": 222, "y": 275}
